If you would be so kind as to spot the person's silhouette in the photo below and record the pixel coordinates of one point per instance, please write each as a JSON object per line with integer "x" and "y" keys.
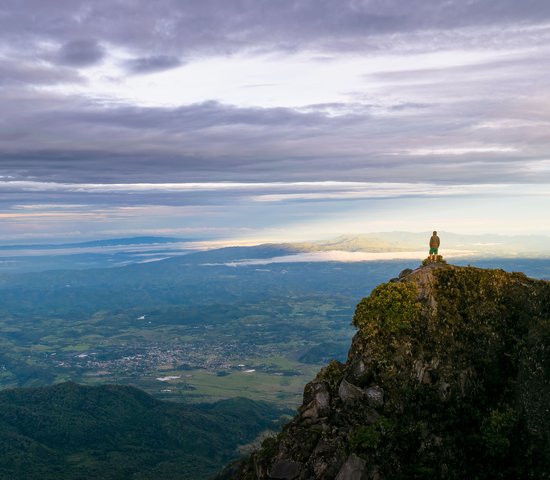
{"x": 434, "y": 246}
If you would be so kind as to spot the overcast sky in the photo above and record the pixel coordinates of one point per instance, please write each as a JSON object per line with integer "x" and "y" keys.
{"x": 273, "y": 119}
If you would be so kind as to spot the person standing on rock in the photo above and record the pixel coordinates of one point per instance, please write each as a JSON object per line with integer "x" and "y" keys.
{"x": 434, "y": 246}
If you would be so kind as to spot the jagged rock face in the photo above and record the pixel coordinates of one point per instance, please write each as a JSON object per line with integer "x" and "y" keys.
{"x": 447, "y": 377}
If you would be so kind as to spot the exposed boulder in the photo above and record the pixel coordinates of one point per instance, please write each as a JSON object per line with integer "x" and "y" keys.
{"x": 375, "y": 396}
{"x": 319, "y": 405}
{"x": 353, "y": 468}
{"x": 349, "y": 393}
{"x": 405, "y": 273}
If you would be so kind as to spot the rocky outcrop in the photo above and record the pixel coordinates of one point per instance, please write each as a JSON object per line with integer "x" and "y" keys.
{"x": 447, "y": 377}
{"x": 353, "y": 468}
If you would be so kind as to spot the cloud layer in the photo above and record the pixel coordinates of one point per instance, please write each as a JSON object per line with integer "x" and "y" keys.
{"x": 450, "y": 96}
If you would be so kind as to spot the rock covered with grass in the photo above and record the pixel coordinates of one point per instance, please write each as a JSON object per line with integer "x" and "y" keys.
{"x": 447, "y": 377}
{"x": 438, "y": 259}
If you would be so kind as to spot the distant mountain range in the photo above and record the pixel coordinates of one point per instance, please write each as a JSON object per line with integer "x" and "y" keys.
{"x": 484, "y": 244}
{"x": 119, "y": 252}
{"x": 379, "y": 245}
{"x": 111, "y": 242}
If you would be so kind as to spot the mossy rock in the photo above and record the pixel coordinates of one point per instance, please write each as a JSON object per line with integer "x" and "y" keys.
{"x": 392, "y": 308}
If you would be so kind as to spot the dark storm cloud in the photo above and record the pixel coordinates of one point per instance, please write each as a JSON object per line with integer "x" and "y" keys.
{"x": 81, "y": 53}
{"x": 152, "y": 64}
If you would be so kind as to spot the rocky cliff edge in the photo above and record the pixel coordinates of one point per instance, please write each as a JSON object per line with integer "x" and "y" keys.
{"x": 447, "y": 377}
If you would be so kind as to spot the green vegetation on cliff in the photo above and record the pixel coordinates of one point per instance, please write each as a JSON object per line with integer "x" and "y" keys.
{"x": 391, "y": 308}
{"x": 448, "y": 377}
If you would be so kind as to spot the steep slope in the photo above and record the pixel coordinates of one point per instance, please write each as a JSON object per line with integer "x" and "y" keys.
{"x": 68, "y": 431}
{"x": 447, "y": 377}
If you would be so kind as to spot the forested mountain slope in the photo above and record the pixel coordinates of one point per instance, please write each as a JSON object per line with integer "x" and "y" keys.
{"x": 68, "y": 431}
